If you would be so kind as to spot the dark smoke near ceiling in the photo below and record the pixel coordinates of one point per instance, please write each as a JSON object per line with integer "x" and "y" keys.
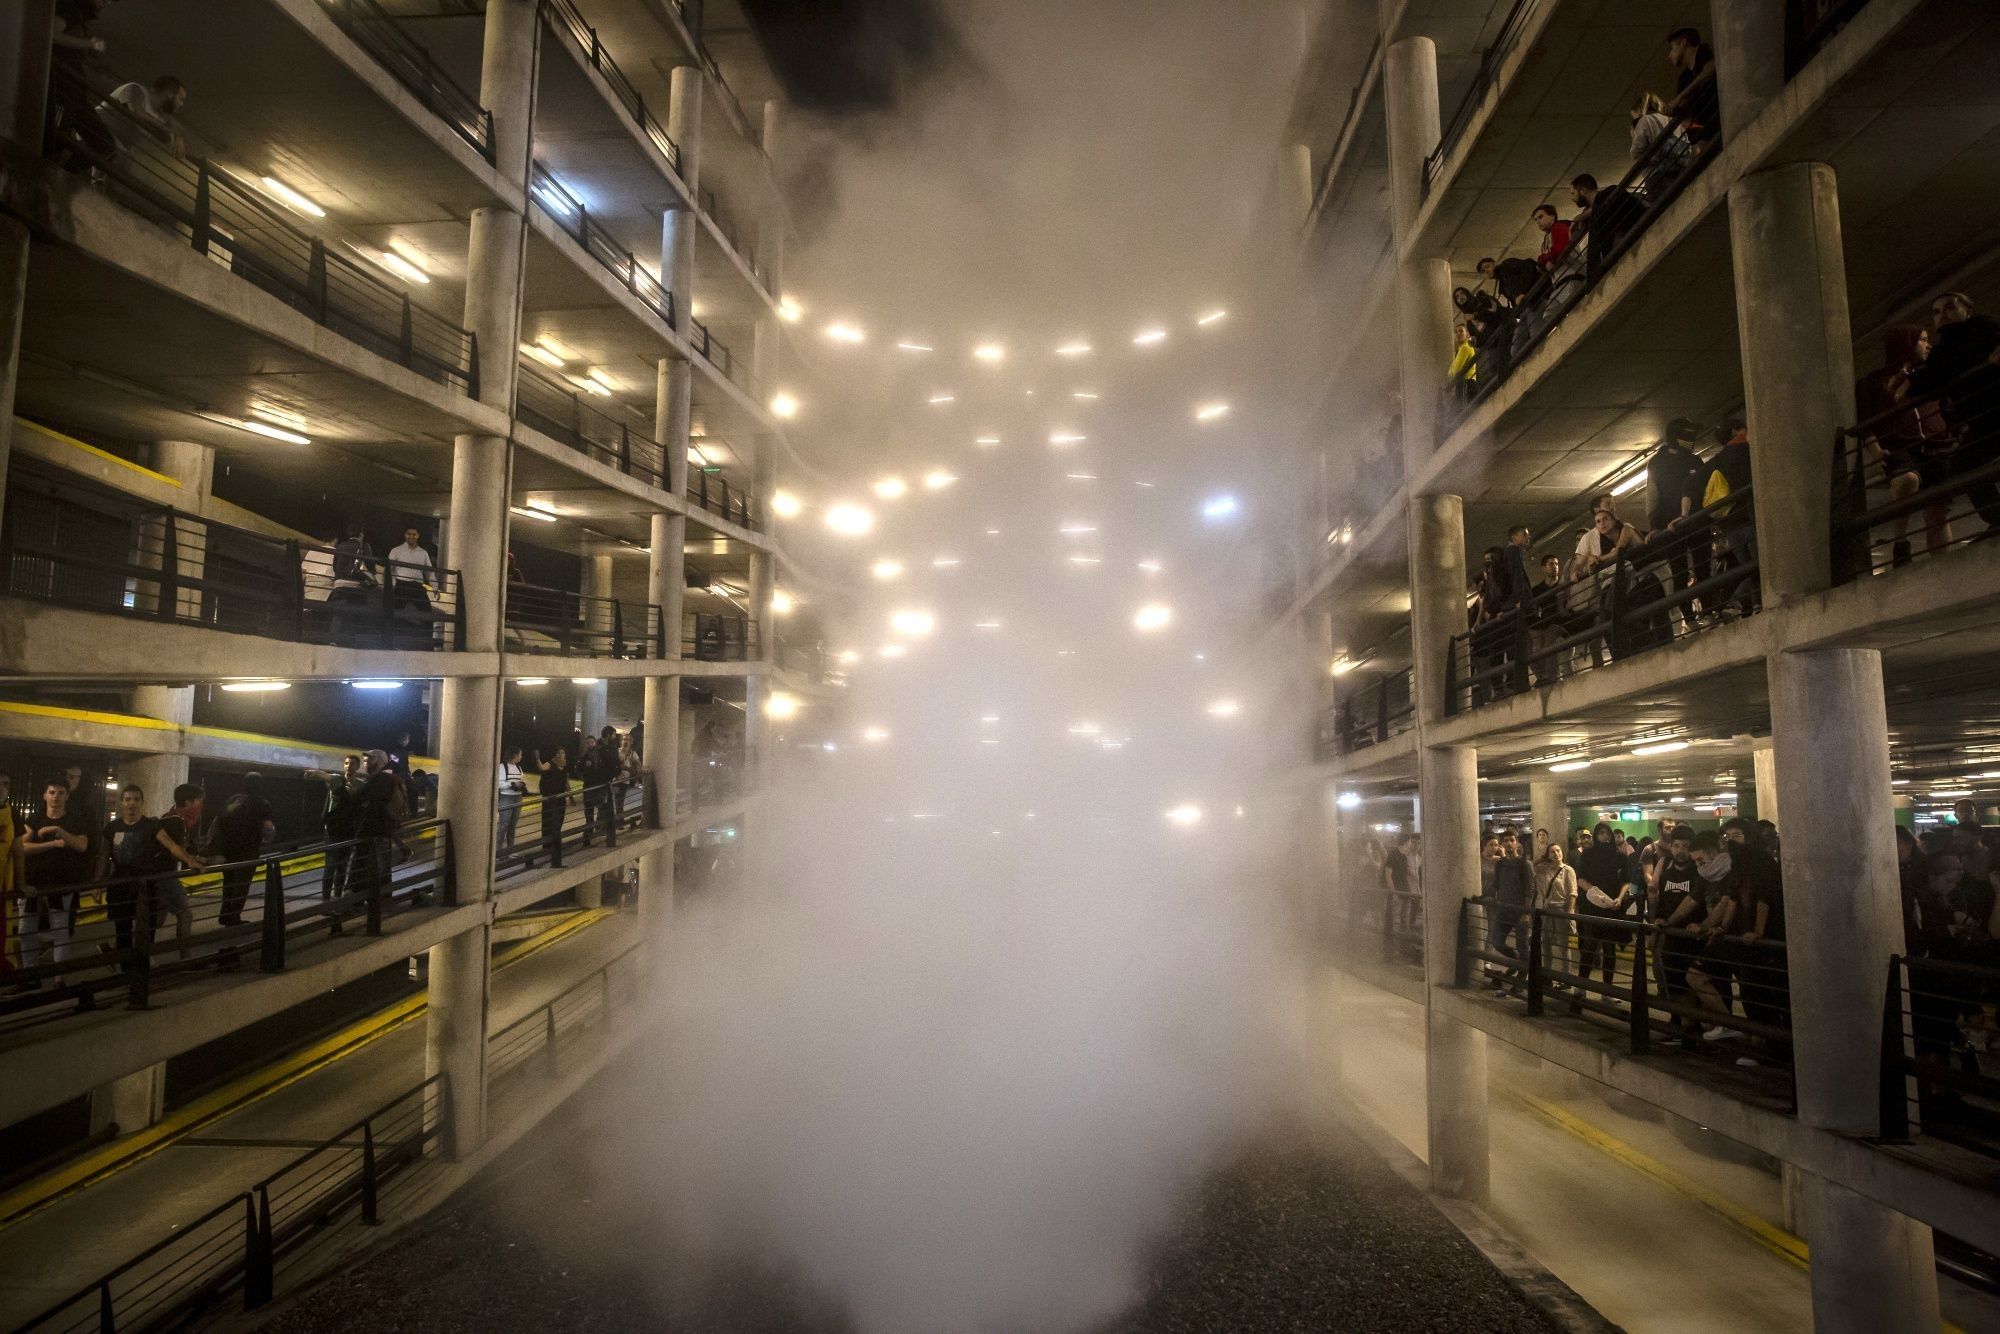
{"x": 853, "y": 57}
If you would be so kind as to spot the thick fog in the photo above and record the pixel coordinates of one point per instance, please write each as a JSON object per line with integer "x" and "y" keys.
{"x": 1015, "y": 958}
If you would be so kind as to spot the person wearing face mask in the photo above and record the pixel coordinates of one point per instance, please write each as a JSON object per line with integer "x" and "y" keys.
{"x": 1721, "y": 883}
{"x": 1676, "y": 901}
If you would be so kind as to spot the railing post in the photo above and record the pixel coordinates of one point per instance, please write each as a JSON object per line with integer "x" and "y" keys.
{"x": 139, "y": 984}
{"x": 1518, "y": 677}
{"x": 259, "y": 1282}
{"x": 448, "y": 890}
{"x": 271, "y": 958}
{"x": 1536, "y": 981}
{"x": 369, "y": 1204}
{"x": 204, "y": 225}
{"x": 549, "y": 1039}
{"x": 295, "y": 590}
{"x": 472, "y": 360}
{"x": 1461, "y": 967}
{"x": 625, "y": 449}
{"x": 1388, "y": 926}
{"x": 1615, "y": 633}
{"x": 617, "y": 628}
{"x": 406, "y": 339}
{"x": 1451, "y": 675}
{"x": 381, "y": 868}
{"x": 107, "y": 1313}
{"x": 316, "y": 279}
{"x": 1382, "y": 710}
{"x": 1895, "y": 1078}
{"x": 170, "y": 567}
{"x": 1641, "y": 1037}
{"x": 566, "y": 615}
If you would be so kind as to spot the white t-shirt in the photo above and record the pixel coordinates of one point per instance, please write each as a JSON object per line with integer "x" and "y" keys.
{"x": 406, "y": 556}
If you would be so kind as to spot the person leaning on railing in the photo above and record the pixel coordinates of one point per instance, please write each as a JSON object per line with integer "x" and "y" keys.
{"x": 1963, "y": 368}
{"x": 1912, "y": 445}
{"x": 141, "y": 852}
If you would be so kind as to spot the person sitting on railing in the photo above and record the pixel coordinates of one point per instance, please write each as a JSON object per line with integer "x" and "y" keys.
{"x": 1605, "y": 214}
{"x": 1964, "y": 369}
{"x": 1696, "y": 98}
{"x": 1912, "y": 446}
{"x": 155, "y": 108}
{"x": 1723, "y": 898}
{"x": 1462, "y": 375}
{"x": 1548, "y": 621}
{"x": 382, "y": 807}
{"x": 340, "y": 816}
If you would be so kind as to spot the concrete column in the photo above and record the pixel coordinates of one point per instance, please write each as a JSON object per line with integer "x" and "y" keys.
{"x": 1437, "y": 594}
{"x": 190, "y": 463}
{"x": 13, "y": 299}
{"x": 1874, "y": 1271}
{"x": 1764, "y": 766}
{"x": 677, "y": 225}
{"x": 673, "y": 390}
{"x": 1548, "y": 808}
{"x": 1423, "y": 283}
{"x": 684, "y": 89}
{"x": 1749, "y": 59}
{"x": 1333, "y": 897}
{"x": 507, "y": 85}
{"x": 193, "y": 466}
{"x": 131, "y": 1103}
{"x": 160, "y": 774}
{"x": 1798, "y": 363}
{"x": 1415, "y": 124}
{"x": 596, "y": 698}
{"x": 663, "y": 723}
{"x": 771, "y": 223}
{"x": 763, "y": 580}
{"x": 1843, "y": 907}
{"x": 1454, "y": 1055}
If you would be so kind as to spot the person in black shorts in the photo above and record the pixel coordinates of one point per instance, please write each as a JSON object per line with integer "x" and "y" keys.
{"x": 1709, "y": 975}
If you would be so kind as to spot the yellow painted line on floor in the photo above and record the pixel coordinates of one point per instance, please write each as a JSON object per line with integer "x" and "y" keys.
{"x": 27, "y": 1200}
{"x": 1760, "y": 1230}
{"x": 107, "y": 719}
{"x": 73, "y": 443}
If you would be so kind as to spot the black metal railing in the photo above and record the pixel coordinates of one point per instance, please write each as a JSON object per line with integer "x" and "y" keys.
{"x": 384, "y": 38}
{"x": 570, "y": 625}
{"x": 566, "y": 21}
{"x": 1369, "y": 715}
{"x": 1939, "y": 1077}
{"x": 244, "y": 229}
{"x": 718, "y": 354}
{"x": 1483, "y": 80}
{"x": 710, "y": 490}
{"x": 131, "y": 936}
{"x": 1682, "y": 580}
{"x": 569, "y": 214}
{"x": 602, "y": 429}
{"x": 712, "y": 778}
{"x": 538, "y": 829}
{"x": 1921, "y": 476}
{"x": 1504, "y": 334}
{"x": 99, "y": 552}
{"x": 1810, "y": 24}
{"x": 1661, "y": 986}
{"x": 719, "y": 637}
{"x": 732, "y": 234}
{"x": 1386, "y": 924}
{"x": 541, "y": 1038}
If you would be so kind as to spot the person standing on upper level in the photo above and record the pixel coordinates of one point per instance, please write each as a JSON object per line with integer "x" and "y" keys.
{"x": 1696, "y": 100}
{"x": 1964, "y": 368}
{"x": 411, "y": 570}
{"x": 56, "y": 857}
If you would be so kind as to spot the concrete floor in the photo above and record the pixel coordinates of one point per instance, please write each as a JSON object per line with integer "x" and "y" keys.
{"x": 1649, "y": 1257}
{"x": 56, "y": 1250}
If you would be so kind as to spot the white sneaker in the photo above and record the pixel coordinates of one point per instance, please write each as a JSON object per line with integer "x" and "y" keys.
{"x": 1746, "y": 1060}
{"x": 1718, "y": 1033}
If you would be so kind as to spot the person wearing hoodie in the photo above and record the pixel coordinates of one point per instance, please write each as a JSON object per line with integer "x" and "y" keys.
{"x": 1513, "y": 892}
{"x": 1910, "y": 443}
{"x": 1720, "y": 881}
{"x": 1603, "y": 893}
{"x": 1964, "y": 369}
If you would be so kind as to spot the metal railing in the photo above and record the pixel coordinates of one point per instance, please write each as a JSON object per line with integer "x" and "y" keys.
{"x": 1646, "y": 979}
{"x": 536, "y": 828}
{"x": 1923, "y": 475}
{"x": 584, "y": 1010}
{"x": 383, "y": 37}
{"x": 715, "y": 777}
{"x": 732, "y": 234}
{"x": 1383, "y": 709}
{"x": 554, "y": 620}
{"x": 1505, "y": 334}
{"x": 1679, "y": 582}
{"x": 710, "y": 490}
{"x": 610, "y": 434}
{"x": 566, "y": 21}
{"x": 719, "y": 637}
{"x": 99, "y": 552}
{"x": 129, "y": 936}
{"x": 243, "y": 229}
{"x": 1482, "y": 80}
{"x": 1386, "y": 923}
{"x": 575, "y": 220}
{"x": 718, "y": 354}
{"x": 1939, "y": 1077}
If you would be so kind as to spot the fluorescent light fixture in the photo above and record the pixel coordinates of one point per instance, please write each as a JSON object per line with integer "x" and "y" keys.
{"x": 990, "y": 352}
{"x": 1629, "y": 485}
{"x": 1148, "y": 337}
{"x": 986, "y": 625}
{"x": 789, "y": 309}
{"x": 1085, "y": 560}
{"x": 782, "y": 603}
{"x": 944, "y": 562}
{"x": 1150, "y": 566}
{"x": 912, "y": 624}
{"x": 849, "y": 519}
{"x": 586, "y": 680}
{"x": 541, "y": 354}
{"x": 916, "y": 347}
{"x": 1950, "y": 792}
{"x": 531, "y": 680}
{"x": 291, "y": 198}
{"x": 1660, "y": 748}
{"x": 780, "y": 706}
{"x": 987, "y": 440}
{"x": 598, "y": 375}
{"x": 1219, "y": 507}
{"x": 264, "y": 429}
{"x": 1185, "y": 814}
{"x": 845, "y": 333}
{"x": 255, "y": 687}
{"x": 784, "y": 504}
{"x": 886, "y": 569}
{"x": 1066, "y": 438}
{"x": 1076, "y": 529}
{"x": 376, "y": 685}
{"x": 1083, "y": 394}
{"x": 1347, "y": 801}
{"x": 1211, "y": 317}
{"x": 944, "y": 398}
{"x": 401, "y": 267}
{"x": 1084, "y": 729}
{"x": 892, "y": 650}
{"x": 531, "y": 512}
{"x": 556, "y": 347}
{"x": 989, "y": 718}
{"x": 890, "y": 488}
{"x": 847, "y": 656}
{"x": 1153, "y": 616}
{"x": 1081, "y": 476}
{"x": 1078, "y": 348}
{"x": 938, "y": 479}
{"x": 874, "y": 734}
{"x": 588, "y": 385}
{"x": 784, "y": 405}
{"x": 1225, "y": 708}
{"x": 1568, "y": 766}
{"x": 1341, "y": 666}
{"x": 1208, "y": 412}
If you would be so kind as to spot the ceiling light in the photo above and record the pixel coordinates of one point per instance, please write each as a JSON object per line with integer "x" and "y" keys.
{"x": 784, "y": 504}
{"x": 1568, "y": 766}
{"x": 938, "y": 480}
{"x": 1075, "y": 529}
{"x": 291, "y": 198}
{"x": 264, "y": 429}
{"x": 988, "y": 440}
{"x": 1084, "y": 729}
{"x": 586, "y": 680}
{"x": 912, "y": 624}
{"x": 944, "y": 398}
{"x": 531, "y": 680}
{"x": 1219, "y": 507}
{"x": 847, "y": 656}
{"x": 532, "y": 512}
{"x": 782, "y": 602}
{"x": 1081, "y": 476}
{"x": 1211, "y": 317}
{"x": 402, "y": 268}
{"x": 989, "y": 718}
{"x": 541, "y": 354}
{"x": 890, "y": 488}
{"x": 1153, "y": 616}
{"x": 874, "y": 734}
{"x": 1185, "y": 814}
{"x": 845, "y": 333}
{"x": 1076, "y": 349}
{"x": 1225, "y": 708}
{"x": 1083, "y": 394}
{"x": 986, "y": 625}
{"x": 780, "y": 706}
{"x": 1629, "y": 485}
{"x": 1208, "y": 412}
{"x": 598, "y": 375}
{"x": 886, "y": 569}
{"x": 255, "y": 687}
{"x": 848, "y": 519}
{"x": 916, "y": 347}
{"x": 789, "y": 309}
{"x": 1150, "y": 337}
{"x": 892, "y": 650}
{"x": 1085, "y": 560}
{"x": 376, "y": 685}
{"x": 990, "y": 352}
{"x": 784, "y": 405}
{"x": 944, "y": 562}
{"x": 588, "y": 385}
{"x": 1341, "y": 666}
{"x": 1150, "y": 566}
{"x": 1942, "y": 791}
{"x": 1347, "y": 801}
{"x": 560, "y": 350}
{"x": 1660, "y": 748}
{"x": 1066, "y": 438}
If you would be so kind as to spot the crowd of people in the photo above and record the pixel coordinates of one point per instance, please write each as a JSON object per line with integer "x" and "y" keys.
{"x": 605, "y": 767}
{"x": 1516, "y": 299}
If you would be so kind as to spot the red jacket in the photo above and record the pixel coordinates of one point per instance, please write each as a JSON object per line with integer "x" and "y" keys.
{"x": 1554, "y": 241}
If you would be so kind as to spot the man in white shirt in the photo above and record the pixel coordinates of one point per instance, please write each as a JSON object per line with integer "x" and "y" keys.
{"x": 156, "y": 109}
{"x": 411, "y": 569}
